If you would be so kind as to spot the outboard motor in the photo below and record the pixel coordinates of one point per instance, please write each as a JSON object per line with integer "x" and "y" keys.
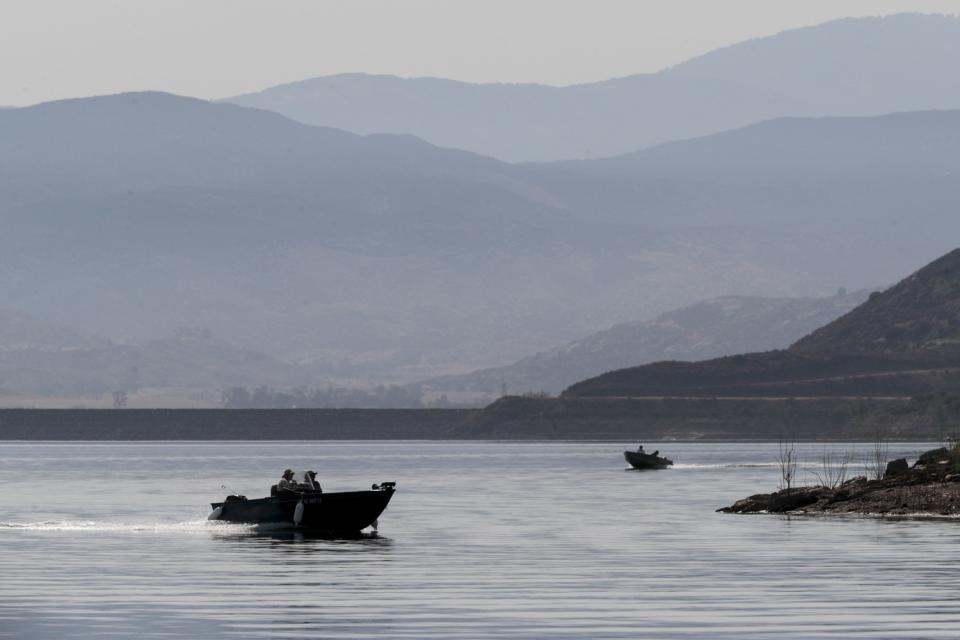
{"x": 217, "y": 513}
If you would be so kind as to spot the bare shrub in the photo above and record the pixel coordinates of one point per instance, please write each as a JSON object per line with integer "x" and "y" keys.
{"x": 787, "y": 459}
{"x": 876, "y": 464}
{"x": 832, "y": 471}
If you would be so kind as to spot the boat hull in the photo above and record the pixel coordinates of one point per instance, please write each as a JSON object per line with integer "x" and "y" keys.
{"x": 646, "y": 461}
{"x": 335, "y": 513}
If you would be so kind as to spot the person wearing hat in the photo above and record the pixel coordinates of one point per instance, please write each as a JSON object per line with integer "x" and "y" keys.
{"x": 286, "y": 481}
{"x": 312, "y": 484}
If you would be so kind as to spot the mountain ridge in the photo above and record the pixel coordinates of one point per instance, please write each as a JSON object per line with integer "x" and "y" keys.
{"x": 712, "y": 328}
{"x": 920, "y": 313}
{"x": 853, "y": 66}
{"x": 386, "y": 259}
{"x": 889, "y": 344}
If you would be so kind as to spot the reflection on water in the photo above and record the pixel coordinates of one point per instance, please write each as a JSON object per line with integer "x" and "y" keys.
{"x": 527, "y": 540}
{"x": 305, "y": 539}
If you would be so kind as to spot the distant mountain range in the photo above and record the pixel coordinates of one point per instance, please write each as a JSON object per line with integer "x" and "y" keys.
{"x": 43, "y": 360}
{"x": 384, "y": 259}
{"x": 709, "y": 329}
{"x": 813, "y": 175}
{"x": 378, "y": 259}
{"x": 854, "y": 66}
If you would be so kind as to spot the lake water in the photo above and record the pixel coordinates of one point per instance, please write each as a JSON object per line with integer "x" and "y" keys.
{"x": 481, "y": 540}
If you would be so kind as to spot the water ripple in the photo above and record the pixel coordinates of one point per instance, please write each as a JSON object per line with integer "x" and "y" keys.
{"x": 519, "y": 540}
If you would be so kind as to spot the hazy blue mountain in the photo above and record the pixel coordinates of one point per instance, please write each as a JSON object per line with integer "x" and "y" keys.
{"x": 851, "y": 66}
{"x": 385, "y": 259}
{"x": 135, "y": 214}
{"x": 134, "y": 142}
{"x": 874, "y": 195}
{"x": 709, "y": 329}
{"x": 809, "y": 174}
{"x": 855, "y": 66}
{"x": 517, "y": 122}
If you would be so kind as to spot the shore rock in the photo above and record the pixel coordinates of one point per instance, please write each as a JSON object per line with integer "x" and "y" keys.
{"x": 931, "y": 488}
{"x": 932, "y": 457}
{"x": 779, "y": 502}
{"x": 896, "y": 467}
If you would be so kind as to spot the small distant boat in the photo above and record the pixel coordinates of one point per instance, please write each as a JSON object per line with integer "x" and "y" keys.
{"x": 644, "y": 461}
{"x": 346, "y": 513}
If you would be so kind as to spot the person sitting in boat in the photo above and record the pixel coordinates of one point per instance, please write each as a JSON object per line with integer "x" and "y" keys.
{"x": 286, "y": 481}
{"x": 305, "y": 480}
{"x": 311, "y": 480}
{"x": 640, "y": 450}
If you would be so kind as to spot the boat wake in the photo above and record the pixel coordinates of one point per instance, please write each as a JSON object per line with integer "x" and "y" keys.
{"x": 187, "y": 526}
{"x": 741, "y": 465}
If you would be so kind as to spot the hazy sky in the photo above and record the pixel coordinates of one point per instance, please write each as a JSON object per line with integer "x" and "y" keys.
{"x": 215, "y": 48}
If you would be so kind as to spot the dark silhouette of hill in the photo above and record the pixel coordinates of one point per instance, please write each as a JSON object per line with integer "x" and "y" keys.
{"x": 900, "y": 342}
{"x": 709, "y": 329}
{"x": 780, "y": 374}
{"x": 853, "y": 66}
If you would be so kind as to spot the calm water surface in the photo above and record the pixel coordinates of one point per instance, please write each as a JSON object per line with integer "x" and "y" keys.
{"x": 518, "y": 540}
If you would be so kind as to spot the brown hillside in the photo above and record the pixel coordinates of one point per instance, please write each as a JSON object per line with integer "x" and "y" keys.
{"x": 920, "y": 313}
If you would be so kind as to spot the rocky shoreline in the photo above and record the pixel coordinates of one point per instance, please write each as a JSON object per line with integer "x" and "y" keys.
{"x": 930, "y": 487}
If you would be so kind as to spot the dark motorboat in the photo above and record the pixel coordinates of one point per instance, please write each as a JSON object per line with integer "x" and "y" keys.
{"x": 644, "y": 461}
{"x": 345, "y": 513}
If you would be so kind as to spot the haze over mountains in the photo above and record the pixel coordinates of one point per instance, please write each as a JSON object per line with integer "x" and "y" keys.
{"x": 40, "y": 360}
{"x": 135, "y": 214}
{"x": 359, "y": 260}
{"x": 855, "y": 66}
{"x": 709, "y": 329}
{"x": 139, "y": 213}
